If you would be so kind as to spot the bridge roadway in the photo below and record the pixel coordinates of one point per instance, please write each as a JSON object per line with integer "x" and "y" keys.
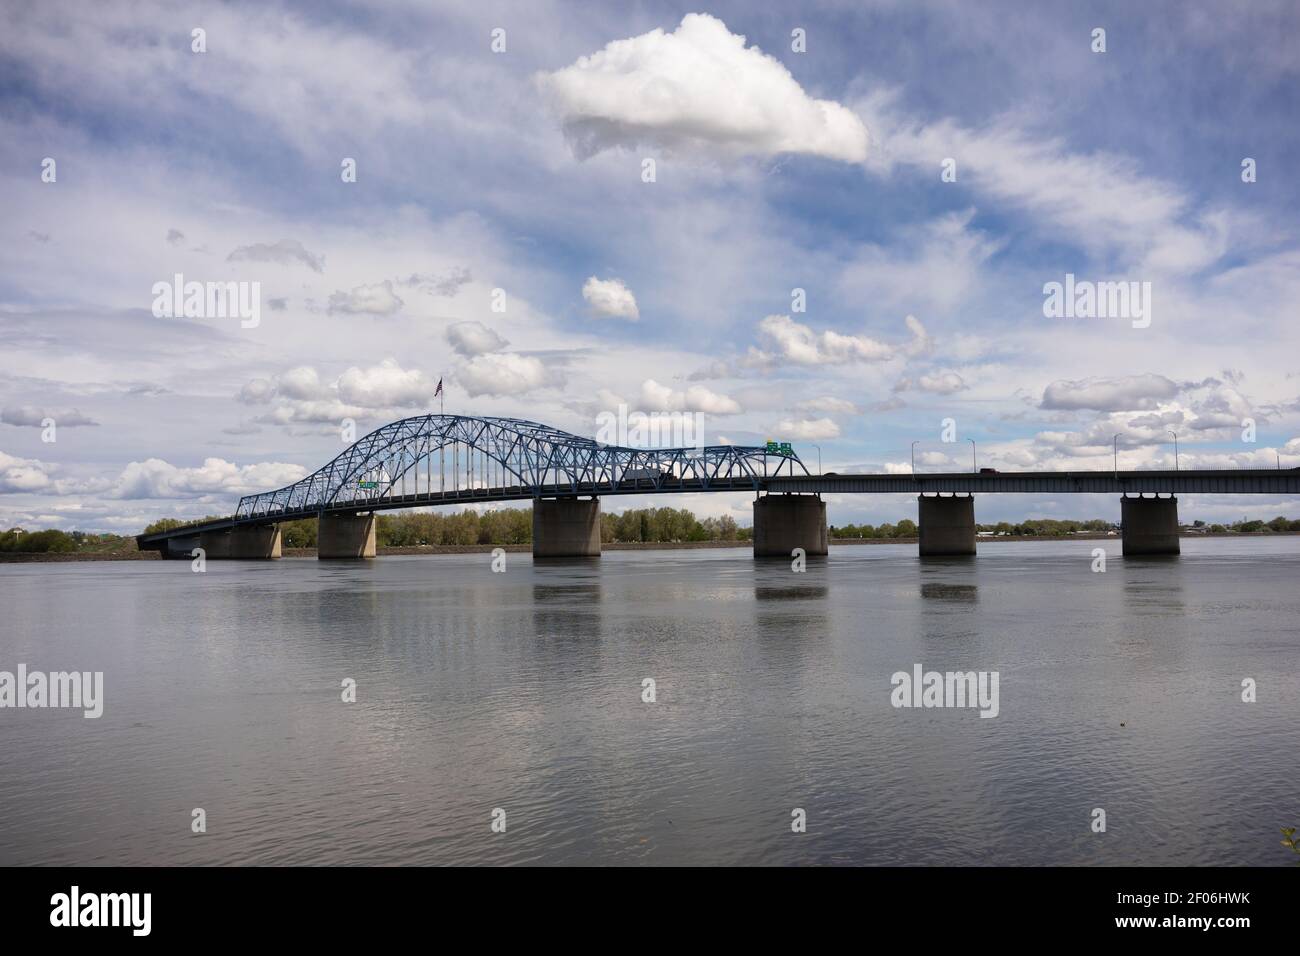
{"x": 786, "y": 517}
{"x": 1259, "y": 481}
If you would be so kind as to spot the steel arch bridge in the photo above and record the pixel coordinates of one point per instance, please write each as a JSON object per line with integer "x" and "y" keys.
{"x": 504, "y": 458}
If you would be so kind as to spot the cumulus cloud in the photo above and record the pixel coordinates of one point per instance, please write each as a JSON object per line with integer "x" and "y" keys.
{"x": 285, "y": 252}
{"x": 939, "y": 382}
{"x": 376, "y": 299}
{"x": 610, "y": 299}
{"x": 473, "y": 338}
{"x": 807, "y": 429}
{"x": 155, "y": 478}
{"x": 792, "y": 342}
{"x": 697, "y": 398}
{"x": 30, "y": 416}
{"x": 697, "y": 87}
{"x": 386, "y": 385}
{"x": 259, "y": 391}
{"x": 502, "y": 373}
{"x": 23, "y": 475}
{"x": 322, "y": 411}
{"x": 1133, "y": 392}
{"x": 718, "y": 368}
{"x": 300, "y": 383}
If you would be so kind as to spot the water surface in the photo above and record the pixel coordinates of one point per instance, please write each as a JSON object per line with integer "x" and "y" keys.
{"x": 523, "y": 691}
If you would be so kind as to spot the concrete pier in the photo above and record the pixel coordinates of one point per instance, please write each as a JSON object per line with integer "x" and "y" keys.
{"x": 947, "y": 525}
{"x": 346, "y": 536}
{"x": 260, "y": 543}
{"x": 566, "y": 528}
{"x": 785, "y": 522}
{"x": 1149, "y": 525}
{"x": 178, "y": 548}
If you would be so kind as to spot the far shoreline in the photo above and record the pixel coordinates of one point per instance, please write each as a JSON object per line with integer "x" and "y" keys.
{"x": 15, "y": 557}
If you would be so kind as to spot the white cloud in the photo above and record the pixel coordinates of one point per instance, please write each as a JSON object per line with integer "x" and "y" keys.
{"x": 808, "y": 429}
{"x": 503, "y": 373}
{"x": 302, "y": 383}
{"x": 285, "y": 252}
{"x": 1110, "y": 394}
{"x": 827, "y": 403}
{"x": 155, "y": 478}
{"x": 376, "y": 299}
{"x": 299, "y": 396}
{"x": 23, "y": 474}
{"x": 324, "y": 411}
{"x": 1102, "y": 198}
{"x": 258, "y": 391}
{"x": 932, "y": 458}
{"x": 386, "y": 385}
{"x": 696, "y": 398}
{"x": 31, "y": 416}
{"x": 800, "y": 345}
{"x": 610, "y": 299}
{"x": 699, "y": 86}
{"x": 441, "y": 285}
{"x": 473, "y": 338}
{"x": 941, "y": 382}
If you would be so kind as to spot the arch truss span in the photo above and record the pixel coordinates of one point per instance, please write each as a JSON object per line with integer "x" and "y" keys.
{"x": 435, "y": 456}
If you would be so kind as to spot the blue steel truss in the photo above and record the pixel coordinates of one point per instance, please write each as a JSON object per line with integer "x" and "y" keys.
{"x": 513, "y": 453}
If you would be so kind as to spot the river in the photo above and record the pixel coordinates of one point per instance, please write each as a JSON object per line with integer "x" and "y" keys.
{"x": 523, "y": 692}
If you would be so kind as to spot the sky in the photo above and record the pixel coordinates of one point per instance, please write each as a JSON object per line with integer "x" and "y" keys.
{"x": 834, "y": 224}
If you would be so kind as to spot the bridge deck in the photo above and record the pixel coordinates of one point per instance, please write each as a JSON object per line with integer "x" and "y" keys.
{"x": 1226, "y": 482}
{"x": 1263, "y": 481}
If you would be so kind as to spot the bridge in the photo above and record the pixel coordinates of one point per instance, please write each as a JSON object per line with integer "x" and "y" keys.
{"x": 456, "y": 459}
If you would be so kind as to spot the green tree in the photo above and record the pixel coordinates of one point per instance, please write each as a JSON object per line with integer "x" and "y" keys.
{"x": 163, "y": 524}
{"x": 299, "y": 534}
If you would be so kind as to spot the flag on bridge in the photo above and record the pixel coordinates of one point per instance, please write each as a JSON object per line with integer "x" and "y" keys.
{"x": 438, "y": 391}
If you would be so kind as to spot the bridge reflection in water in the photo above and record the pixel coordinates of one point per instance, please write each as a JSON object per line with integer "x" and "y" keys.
{"x": 454, "y": 459}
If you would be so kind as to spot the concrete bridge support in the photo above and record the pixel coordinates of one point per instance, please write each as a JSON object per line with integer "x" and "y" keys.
{"x": 178, "y": 548}
{"x": 346, "y": 536}
{"x": 1149, "y": 525}
{"x": 785, "y": 522}
{"x": 566, "y": 528}
{"x": 947, "y": 525}
{"x": 241, "y": 544}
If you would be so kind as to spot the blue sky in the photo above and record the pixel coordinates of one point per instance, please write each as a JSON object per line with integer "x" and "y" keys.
{"x": 522, "y": 170}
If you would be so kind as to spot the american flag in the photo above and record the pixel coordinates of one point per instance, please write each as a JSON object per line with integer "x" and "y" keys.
{"x": 438, "y": 391}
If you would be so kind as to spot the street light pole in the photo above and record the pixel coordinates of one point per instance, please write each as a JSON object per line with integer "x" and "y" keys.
{"x": 1175, "y": 434}
{"x": 974, "y": 469}
{"x": 1115, "y": 445}
{"x": 819, "y": 458}
{"x": 914, "y": 444}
